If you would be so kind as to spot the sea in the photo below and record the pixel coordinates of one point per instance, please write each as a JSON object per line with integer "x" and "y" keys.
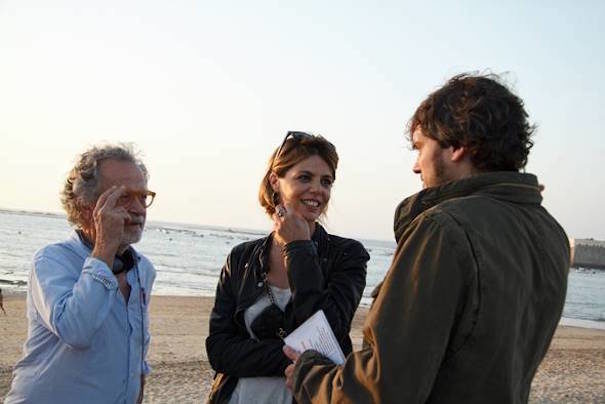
{"x": 188, "y": 259}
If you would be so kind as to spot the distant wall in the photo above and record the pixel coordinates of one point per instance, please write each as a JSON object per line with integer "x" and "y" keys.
{"x": 588, "y": 253}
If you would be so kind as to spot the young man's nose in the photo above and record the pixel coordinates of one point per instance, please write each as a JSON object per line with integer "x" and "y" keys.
{"x": 416, "y": 168}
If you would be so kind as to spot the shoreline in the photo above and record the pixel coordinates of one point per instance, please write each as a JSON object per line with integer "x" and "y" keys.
{"x": 563, "y": 322}
{"x": 573, "y": 369}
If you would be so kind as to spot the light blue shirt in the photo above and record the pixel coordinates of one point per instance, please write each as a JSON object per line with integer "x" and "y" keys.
{"x": 85, "y": 344}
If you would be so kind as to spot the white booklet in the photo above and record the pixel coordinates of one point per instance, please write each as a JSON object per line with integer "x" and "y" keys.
{"x": 315, "y": 333}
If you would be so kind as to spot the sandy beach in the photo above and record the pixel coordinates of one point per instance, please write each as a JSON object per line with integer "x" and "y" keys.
{"x": 573, "y": 370}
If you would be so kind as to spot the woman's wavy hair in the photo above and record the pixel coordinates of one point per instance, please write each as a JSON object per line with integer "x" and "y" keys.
{"x": 291, "y": 153}
{"x": 479, "y": 113}
{"x": 80, "y": 190}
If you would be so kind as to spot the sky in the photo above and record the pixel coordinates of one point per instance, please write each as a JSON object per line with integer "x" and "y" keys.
{"x": 206, "y": 90}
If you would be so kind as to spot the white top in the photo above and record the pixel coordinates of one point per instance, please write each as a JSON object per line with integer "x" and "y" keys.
{"x": 262, "y": 389}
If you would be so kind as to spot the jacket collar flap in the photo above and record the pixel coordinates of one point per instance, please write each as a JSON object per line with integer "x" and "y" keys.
{"x": 320, "y": 238}
{"x": 508, "y": 186}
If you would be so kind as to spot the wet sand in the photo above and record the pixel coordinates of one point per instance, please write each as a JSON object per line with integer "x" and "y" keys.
{"x": 572, "y": 371}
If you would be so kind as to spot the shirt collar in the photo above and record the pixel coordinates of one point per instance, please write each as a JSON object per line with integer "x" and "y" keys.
{"x": 83, "y": 248}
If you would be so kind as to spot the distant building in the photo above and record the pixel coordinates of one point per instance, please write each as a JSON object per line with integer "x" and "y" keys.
{"x": 587, "y": 253}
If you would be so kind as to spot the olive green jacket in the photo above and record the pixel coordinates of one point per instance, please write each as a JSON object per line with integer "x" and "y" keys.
{"x": 468, "y": 308}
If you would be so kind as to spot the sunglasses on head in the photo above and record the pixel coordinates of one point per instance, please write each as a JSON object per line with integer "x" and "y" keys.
{"x": 296, "y": 136}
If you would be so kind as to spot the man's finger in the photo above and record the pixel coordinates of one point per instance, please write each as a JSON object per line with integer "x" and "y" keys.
{"x": 112, "y": 198}
{"x": 291, "y": 353}
{"x": 288, "y": 373}
{"x": 104, "y": 195}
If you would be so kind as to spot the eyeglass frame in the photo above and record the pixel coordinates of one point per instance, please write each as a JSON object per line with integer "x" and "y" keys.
{"x": 132, "y": 195}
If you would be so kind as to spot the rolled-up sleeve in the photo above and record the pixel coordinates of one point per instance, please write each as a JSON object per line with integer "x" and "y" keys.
{"x": 72, "y": 302}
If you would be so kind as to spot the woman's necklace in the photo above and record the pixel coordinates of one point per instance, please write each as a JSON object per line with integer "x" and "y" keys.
{"x": 277, "y": 268}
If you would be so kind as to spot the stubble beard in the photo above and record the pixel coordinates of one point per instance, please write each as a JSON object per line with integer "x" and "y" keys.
{"x": 131, "y": 236}
{"x": 440, "y": 176}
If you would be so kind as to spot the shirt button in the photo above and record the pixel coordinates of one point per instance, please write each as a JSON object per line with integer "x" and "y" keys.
{"x": 259, "y": 284}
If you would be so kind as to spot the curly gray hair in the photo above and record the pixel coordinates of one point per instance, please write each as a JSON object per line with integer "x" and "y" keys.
{"x": 80, "y": 189}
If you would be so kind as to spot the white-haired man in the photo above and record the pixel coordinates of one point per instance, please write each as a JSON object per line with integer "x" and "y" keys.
{"x": 88, "y": 296}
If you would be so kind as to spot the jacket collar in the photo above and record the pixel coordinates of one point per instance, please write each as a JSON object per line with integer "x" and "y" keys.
{"x": 320, "y": 238}
{"x": 507, "y": 186}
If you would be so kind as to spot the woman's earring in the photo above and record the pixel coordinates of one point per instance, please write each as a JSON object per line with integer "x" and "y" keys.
{"x": 275, "y": 198}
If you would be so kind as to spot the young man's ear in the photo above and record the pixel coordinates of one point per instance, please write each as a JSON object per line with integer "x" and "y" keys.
{"x": 459, "y": 153}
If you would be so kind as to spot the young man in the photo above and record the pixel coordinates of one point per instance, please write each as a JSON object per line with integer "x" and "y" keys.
{"x": 88, "y": 296}
{"x": 477, "y": 285}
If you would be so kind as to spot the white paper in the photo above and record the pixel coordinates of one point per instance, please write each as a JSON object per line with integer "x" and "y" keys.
{"x": 315, "y": 333}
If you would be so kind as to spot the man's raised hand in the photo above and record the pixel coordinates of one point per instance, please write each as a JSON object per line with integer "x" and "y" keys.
{"x": 108, "y": 219}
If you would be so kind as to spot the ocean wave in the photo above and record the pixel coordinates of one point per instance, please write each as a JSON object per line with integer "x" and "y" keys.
{"x": 590, "y": 271}
{"x": 11, "y": 282}
{"x": 168, "y": 230}
{"x": 156, "y": 255}
{"x": 198, "y": 271}
{"x": 233, "y": 236}
{"x": 190, "y": 257}
{"x": 582, "y": 323}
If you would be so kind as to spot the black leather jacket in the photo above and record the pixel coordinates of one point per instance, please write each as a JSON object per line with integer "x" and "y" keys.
{"x": 327, "y": 272}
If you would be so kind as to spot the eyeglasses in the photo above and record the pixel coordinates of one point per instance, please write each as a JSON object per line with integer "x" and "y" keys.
{"x": 145, "y": 198}
{"x": 297, "y": 136}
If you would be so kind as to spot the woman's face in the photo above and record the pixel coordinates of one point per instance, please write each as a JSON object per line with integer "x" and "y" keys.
{"x": 305, "y": 187}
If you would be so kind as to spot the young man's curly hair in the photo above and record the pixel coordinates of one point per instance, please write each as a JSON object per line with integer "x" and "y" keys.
{"x": 479, "y": 113}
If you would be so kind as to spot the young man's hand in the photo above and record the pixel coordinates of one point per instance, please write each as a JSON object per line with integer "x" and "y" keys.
{"x": 289, "y": 372}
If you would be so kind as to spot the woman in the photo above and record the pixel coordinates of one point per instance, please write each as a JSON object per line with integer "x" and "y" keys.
{"x": 269, "y": 286}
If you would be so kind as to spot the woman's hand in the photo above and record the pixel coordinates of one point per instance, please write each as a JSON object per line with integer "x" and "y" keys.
{"x": 289, "y": 225}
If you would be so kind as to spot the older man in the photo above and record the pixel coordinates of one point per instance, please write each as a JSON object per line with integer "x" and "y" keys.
{"x": 88, "y": 296}
{"x": 469, "y": 306}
